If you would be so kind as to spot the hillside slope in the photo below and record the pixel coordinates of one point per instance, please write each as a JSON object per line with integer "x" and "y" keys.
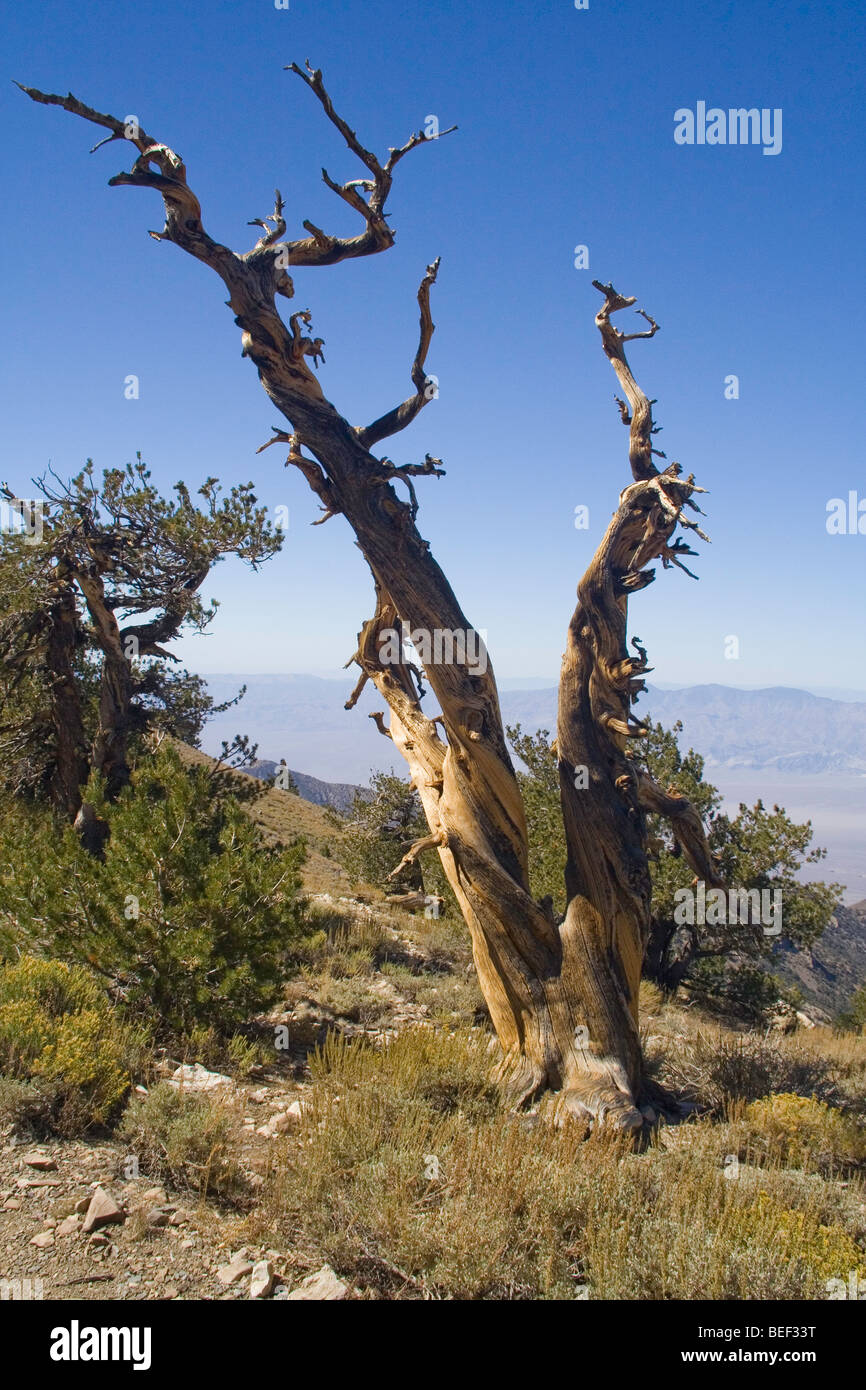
{"x": 282, "y": 817}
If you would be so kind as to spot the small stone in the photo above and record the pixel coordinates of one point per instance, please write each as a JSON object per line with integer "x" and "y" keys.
{"x": 157, "y": 1216}
{"x": 295, "y": 1110}
{"x": 102, "y": 1210}
{"x": 323, "y": 1285}
{"x": 70, "y": 1226}
{"x": 12, "y": 1204}
{"x": 99, "y": 1240}
{"x": 43, "y": 1240}
{"x": 258, "y": 1097}
{"x": 262, "y": 1280}
{"x": 154, "y": 1196}
{"x": 187, "y": 1244}
{"x": 237, "y": 1268}
{"x": 82, "y": 1204}
{"x": 179, "y": 1218}
{"x": 44, "y": 1162}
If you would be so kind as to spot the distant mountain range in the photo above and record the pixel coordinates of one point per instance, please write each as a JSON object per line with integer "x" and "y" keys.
{"x": 779, "y": 728}
{"x": 806, "y": 752}
{"x": 301, "y": 718}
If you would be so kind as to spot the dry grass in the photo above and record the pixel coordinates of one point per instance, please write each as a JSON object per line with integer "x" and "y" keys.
{"x": 415, "y": 1183}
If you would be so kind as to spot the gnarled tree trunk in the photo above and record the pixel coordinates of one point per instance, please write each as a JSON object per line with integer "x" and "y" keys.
{"x": 563, "y": 997}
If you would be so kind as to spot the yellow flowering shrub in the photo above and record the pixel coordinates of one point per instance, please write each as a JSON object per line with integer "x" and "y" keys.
{"x": 805, "y": 1133}
{"x": 796, "y": 1238}
{"x": 59, "y": 1034}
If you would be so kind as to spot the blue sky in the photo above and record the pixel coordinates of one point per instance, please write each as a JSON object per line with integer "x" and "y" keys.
{"x": 751, "y": 264}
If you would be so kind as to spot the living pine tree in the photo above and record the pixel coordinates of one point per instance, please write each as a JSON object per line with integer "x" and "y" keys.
{"x": 89, "y": 602}
{"x": 377, "y": 834}
{"x": 757, "y": 848}
{"x": 190, "y": 917}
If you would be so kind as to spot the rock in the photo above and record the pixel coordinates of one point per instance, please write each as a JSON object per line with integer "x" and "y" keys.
{"x": 804, "y": 1020}
{"x": 82, "y": 1204}
{"x": 99, "y": 1240}
{"x": 179, "y": 1218}
{"x": 295, "y": 1110}
{"x": 198, "y": 1078}
{"x": 323, "y": 1285}
{"x": 44, "y": 1162}
{"x": 154, "y": 1197}
{"x": 157, "y": 1216}
{"x": 43, "y": 1240}
{"x": 70, "y": 1226}
{"x": 102, "y": 1211}
{"x": 262, "y": 1280}
{"x": 12, "y": 1204}
{"x": 259, "y": 1096}
{"x": 237, "y": 1268}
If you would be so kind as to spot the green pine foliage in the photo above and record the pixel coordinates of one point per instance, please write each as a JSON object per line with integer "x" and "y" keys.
{"x": 757, "y": 848}
{"x": 190, "y": 918}
{"x": 378, "y": 831}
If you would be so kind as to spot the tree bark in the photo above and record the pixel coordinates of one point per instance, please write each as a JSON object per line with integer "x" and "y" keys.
{"x": 563, "y": 998}
{"x": 69, "y": 735}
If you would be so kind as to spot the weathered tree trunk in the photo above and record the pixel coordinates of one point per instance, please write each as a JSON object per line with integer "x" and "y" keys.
{"x": 111, "y": 745}
{"x": 563, "y": 997}
{"x": 69, "y": 736}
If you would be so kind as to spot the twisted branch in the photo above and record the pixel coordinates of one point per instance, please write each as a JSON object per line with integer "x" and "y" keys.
{"x": 403, "y": 414}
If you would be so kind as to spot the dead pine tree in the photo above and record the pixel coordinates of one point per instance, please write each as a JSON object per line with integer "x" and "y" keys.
{"x": 562, "y": 995}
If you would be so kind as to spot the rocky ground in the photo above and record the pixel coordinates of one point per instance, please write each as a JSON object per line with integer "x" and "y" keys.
{"x": 74, "y": 1216}
{"x": 78, "y": 1216}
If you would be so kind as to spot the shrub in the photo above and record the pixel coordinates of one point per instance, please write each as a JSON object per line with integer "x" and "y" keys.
{"x": 717, "y": 1070}
{"x": 804, "y": 1133}
{"x": 190, "y": 916}
{"x": 408, "y": 1174}
{"x": 796, "y": 1239}
{"x": 184, "y": 1136}
{"x": 62, "y": 1045}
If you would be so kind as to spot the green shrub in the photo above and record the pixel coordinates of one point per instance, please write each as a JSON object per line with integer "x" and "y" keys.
{"x": 184, "y": 1136}
{"x": 62, "y": 1046}
{"x": 190, "y": 916}
{"x": 795, "y": 1238}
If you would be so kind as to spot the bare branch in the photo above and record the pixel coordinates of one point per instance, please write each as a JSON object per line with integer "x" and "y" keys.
{"x": 686, "y": 825}
{"x": 320, "y": 249}
{"x": 403, "y": 415}
{"x": 274, "y": 233}
{"x": 379, "y": 720}
{"x": 427, "y": 842}
{"x": 641, "y": 420}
